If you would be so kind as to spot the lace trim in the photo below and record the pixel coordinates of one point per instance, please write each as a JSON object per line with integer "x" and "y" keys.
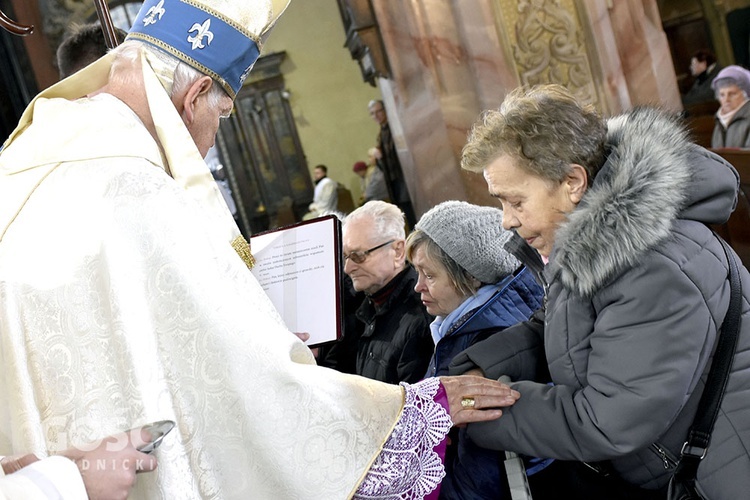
{"x": 408, "y": 467}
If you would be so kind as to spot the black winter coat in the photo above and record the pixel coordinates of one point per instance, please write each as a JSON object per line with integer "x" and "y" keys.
{"x": 396, "y": 344}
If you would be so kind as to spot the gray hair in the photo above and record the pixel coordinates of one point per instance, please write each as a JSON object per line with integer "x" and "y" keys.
{"x": 388, "y": 219}
{"x": 460, "y": 278}
{"x": 174, "y": 75}
{"x": 544, "y": 129}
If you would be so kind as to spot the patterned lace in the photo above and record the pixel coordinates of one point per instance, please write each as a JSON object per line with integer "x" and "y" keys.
{"x": 409, "y": 467}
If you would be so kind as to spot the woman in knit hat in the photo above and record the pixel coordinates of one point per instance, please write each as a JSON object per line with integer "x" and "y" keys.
{"x": 732, "y": 88}
{"x": 474, "y": 288}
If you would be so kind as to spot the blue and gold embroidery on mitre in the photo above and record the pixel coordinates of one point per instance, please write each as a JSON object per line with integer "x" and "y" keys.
{"x": 201, "y": 37}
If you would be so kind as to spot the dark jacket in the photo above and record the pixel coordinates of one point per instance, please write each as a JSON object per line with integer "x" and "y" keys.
{"x": 390, "y": 165}
{"x": 342, "y": 354}
{"x": 522, "y": 356}
{"x": 474, "y": 473}
{"x": 395, "y": 345}
{"x": 637, "y": 287}
{"x": 701, "y": 90}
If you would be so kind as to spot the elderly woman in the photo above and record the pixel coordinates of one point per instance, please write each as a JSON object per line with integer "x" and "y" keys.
{"x": 732, "y": 129}
{"x": 467, "y": 280}
{"x": 636, "y": 288}
{"x": 474, "y": 288}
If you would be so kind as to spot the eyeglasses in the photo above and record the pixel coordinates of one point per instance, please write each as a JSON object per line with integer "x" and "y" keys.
{"x": 360, "y": 257}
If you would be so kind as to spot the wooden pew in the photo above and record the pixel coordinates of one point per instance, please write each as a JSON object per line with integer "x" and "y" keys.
{"x": 737, "y": 229}
{"x": 700, "y": 121}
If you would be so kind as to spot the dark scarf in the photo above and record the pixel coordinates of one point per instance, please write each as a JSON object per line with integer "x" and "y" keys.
{"x": 381, "y": 296}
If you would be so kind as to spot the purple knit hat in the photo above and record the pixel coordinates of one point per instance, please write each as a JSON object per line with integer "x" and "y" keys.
{"x": 740, "y": 75}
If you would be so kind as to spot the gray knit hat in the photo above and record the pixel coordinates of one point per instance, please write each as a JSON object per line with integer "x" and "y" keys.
{"x": 473, "y": 236}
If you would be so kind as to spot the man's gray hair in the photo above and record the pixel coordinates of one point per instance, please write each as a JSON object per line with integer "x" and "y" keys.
{"x": 388, "y": 219}
{"x": 174, "y": 75}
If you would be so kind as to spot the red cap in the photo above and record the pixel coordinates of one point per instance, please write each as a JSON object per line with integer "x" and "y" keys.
{"x": 359, "y": 166}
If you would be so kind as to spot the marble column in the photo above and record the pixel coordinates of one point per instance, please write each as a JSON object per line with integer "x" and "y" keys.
{"x": 451, "y": 59}
{"x": 643, "y": 51}
{"x": 434, "y": 95}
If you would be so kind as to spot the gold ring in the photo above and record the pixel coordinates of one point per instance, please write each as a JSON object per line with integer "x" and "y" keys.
{"x": 468, "y": 402}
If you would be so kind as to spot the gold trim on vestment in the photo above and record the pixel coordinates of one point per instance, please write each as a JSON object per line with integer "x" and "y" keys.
{"x": 242, "y": 247}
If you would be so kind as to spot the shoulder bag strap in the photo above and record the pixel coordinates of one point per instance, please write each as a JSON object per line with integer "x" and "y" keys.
{"x": 699, "y": 436}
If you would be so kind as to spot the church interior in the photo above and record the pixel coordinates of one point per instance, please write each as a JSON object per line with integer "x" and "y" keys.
{"x": 435, "y": 64}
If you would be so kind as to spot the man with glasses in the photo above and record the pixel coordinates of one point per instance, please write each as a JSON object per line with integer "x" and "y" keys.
{"x": 395, "y": 344}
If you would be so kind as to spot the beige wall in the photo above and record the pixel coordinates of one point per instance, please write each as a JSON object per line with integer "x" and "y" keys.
{"x": 328, "y": 96}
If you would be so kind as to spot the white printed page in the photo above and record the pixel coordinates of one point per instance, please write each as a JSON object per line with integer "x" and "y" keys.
{"x": 298, "y": 267}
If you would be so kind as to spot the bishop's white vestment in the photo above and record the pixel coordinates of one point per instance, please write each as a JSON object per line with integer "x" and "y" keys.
{"x": 122, "y": 302}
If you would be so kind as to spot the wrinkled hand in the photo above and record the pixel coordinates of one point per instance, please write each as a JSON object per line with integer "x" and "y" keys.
{"x": 109, "y": 470}
{"x": 14, "y": 463}
{"x": 488, "y": 396}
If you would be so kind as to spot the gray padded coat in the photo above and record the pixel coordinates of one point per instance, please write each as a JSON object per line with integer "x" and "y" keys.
{"x": 737, "y": 134}
{"x": 637, "y": 288}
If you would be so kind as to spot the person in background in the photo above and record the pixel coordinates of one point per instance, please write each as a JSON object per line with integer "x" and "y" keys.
{"x": 703, "y": 68}
{"x": 390, "y": 164}
{"x": 325, "y": 196}
{"x": 395, "y": 345}
{"x": 371, "y": 179}
{"x": 98, "y": 471}
{"x": 376, "y": 186}
{"x": 146, "y": 309}
{"x": 636, "y": 290}
{"x": 81, "y": 46}
{"x": 475, "y": 288}
{"x": 732, "y": 88}
{"x": 360, "y": 169}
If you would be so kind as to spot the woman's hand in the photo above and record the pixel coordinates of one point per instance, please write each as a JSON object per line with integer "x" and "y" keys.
{"x": 476, "y": 399}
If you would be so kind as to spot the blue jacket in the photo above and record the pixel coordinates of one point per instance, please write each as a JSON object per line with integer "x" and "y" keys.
{"x": 516, "y": 300}
{"x": 473, "y": 472}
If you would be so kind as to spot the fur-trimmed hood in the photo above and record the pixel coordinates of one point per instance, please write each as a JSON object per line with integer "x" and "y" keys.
{"x": 652, "y": 176}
